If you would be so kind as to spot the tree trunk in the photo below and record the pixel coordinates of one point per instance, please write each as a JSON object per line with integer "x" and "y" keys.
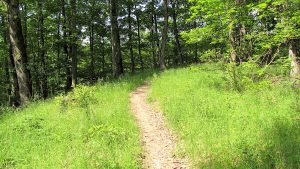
{"x": 15, "y": 94}
{"x": 42, "y": 57}
{"x": 177, "y": 46}
{"x": 232, "y": 39}
{"x": 156, "y": 36}
{"x": 92, "y": 64}
{"x": 102, "y": 51}
{"x": 153, "y": 39}
{"x": 139, "y": 40}
{"x": 25, "y": 32}
{"x": 132, "y": 66}
{"x": 6, "y": 63}
{"x": 65, "y": 45}
{"x": 58, "y": 49}
{"x": 117, "y": 66}
{"x": 73, "y": 36}
{"x": 295, "y": 61}
{"x": 7, "y": 81}
{"x": 19, "y": 51}
{"x": 162, "y": 65}
{"x": 24, "y": 14}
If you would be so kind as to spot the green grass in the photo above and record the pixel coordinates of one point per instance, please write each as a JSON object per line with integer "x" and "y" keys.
{"x": 222, "y": 128}
{"x": 90, "y": 128}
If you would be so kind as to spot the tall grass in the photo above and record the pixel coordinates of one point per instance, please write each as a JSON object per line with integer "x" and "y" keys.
{"x": 91, "y": 127}
{"x": 223, "y": 128}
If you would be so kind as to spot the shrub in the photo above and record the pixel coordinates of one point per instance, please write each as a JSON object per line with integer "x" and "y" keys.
{"x": 81, "y": 97}
{"x": 245, "y": 76}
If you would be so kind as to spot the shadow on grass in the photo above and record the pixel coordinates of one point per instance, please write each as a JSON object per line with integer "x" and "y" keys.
{"x": 280, "y": 147}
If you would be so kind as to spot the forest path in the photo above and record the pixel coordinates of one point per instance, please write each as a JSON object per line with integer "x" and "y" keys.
{"x": 158, "y": 141}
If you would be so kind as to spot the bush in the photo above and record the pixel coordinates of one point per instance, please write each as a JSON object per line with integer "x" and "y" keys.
{"x": 245, "y": 76}
{"x": 81, "y": 97}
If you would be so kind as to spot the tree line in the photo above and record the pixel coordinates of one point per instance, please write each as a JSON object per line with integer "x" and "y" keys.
{"x": 49, "y": 46}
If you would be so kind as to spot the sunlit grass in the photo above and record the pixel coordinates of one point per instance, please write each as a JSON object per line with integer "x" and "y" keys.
{"x": 65, "y": 133}
{"x": 222, "y": 128}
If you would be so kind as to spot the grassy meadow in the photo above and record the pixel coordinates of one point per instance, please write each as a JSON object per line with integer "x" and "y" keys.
{"x": 258, "y": 127}
{"x": 91, "y": 127}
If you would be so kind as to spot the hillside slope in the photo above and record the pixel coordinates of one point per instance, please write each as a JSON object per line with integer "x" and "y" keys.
{"x": 223, "y": 128}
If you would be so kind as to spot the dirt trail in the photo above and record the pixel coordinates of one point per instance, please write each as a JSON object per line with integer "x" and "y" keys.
{"x": 158, "y": 141}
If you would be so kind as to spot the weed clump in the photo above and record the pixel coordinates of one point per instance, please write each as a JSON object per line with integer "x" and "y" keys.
{"x": 81, "y": 97}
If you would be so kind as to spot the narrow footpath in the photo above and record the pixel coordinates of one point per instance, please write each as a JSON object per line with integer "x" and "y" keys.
{"x": 158, "y": 141}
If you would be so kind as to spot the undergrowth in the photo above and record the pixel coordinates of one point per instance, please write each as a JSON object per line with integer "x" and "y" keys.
{"x": 91, "y": 127}
{"x": 256, "y": 126}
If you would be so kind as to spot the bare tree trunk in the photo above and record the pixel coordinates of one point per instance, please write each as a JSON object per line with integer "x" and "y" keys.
{"x": 196, "y": 57}
{"x": 42, "y": 53}
{"x": 162, "y": 65}
{"x": 139, "y": 40}
{"x": 177, "y": 46}
{"x": 102, "y": 51}
{"x": 232, "y": 43}
{"x": 15, "y": 94}
{"x": 73, "y": 36}
{"x": 6, "y": 63}
{"x": 156, "y": 36}
{"x": 19, "y": 51}
{"x": 24, "y": 13}
{"x": 58, "y": 50}
{"x": 295, "y": 60}
{"x": 65, "y": 45}
{"x": 132, "y": 66}
{"x": 7, "y": 81}
{"x": 25, "y": 32}
{"x": 117, "y": 65}
{"x": 153, "y": 34}
{"x": 92, "y": 64}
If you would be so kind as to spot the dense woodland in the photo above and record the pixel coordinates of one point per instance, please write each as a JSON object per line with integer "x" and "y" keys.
{"x": 49, "y": 46}
{"x": 150, "y": 84}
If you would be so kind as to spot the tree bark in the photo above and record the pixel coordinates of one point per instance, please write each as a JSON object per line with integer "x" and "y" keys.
{"x": 7, "y": 81}
{"x": 92, "y": 52}
{"x": 19, "y": 51}
{"x": 15, "y": 94}
{"x": 117, "y": 65}
{"x": 6, "y": 63}
{"x": 24, "y": 18}
{"x": 58, "y": 50}
{"x": 42, "y": 53}
{"x": 295, "y": 60}
{"x": 232, "y": 40}
{"x": 162, "y": 65}
{"x": 177, "y": 45}
{"x": 153, "y": 35}
{"x": 132, "y": 66}
{"x": 25, "y": 32}
{"x": 102, "y": 51}
{"x": 139, "y": 40}
{"x": 73, "y": 36}
{"x": 66, "y": 46}
{"x": 156, "y": 36}
{"x": 92, "y": 64}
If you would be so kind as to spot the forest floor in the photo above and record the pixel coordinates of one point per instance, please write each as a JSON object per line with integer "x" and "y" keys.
{"x": 158, "y": 141}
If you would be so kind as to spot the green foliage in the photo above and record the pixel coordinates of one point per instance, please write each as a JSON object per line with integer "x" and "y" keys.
{"x": 82, "y": 97}
{"x": 247, "y": 75}
{"x": 222, "y": 128}
{"x": 250, "y": 28}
